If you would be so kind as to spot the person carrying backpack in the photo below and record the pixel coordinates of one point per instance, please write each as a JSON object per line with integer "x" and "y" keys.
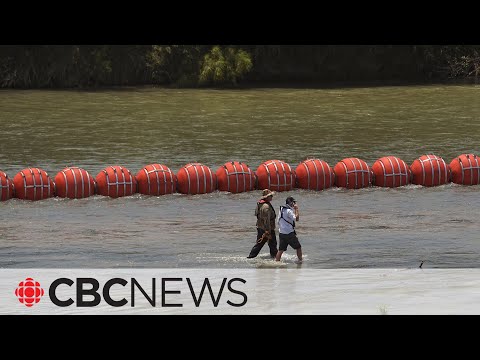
{"x": 286, "y": 228}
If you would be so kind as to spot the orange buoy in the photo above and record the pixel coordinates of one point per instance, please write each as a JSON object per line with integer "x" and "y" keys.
{"x": 353, "y": 173}
{"x": 6, "y": 187}
{"x": 196, "y": 178}
{"x": 74, "y": 183}
{"x": 33, "y": 184}
{"x": 156, "y": 179}
{"x": 275, "y": 175}
{"x": 391, "y": 171}
{"x": 430, "y": 170}
{"x": 466, "y": 169}
{"x": 116, "y": 181}
{"x": 314, "y": 174}
{"x": 235, "y": 177}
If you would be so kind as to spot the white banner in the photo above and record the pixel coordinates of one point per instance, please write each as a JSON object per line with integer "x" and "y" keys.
{"x": 239, "y": 291}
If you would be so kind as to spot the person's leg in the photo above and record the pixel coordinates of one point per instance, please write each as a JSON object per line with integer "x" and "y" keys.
{"x": 279, "y": 255}
{"x": 294, "y": 243}
{"x": 258, "y": 246}
{"x": 282, "y": 247}
{"x": 299, "y": 253}
{"x": 272, "y": 244}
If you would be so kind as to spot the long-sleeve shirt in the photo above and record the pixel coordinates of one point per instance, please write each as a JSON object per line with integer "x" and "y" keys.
{"x": 265, "y": 216}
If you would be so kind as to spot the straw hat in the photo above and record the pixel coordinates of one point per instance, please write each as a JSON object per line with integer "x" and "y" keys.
{"x": 266, "y": 193}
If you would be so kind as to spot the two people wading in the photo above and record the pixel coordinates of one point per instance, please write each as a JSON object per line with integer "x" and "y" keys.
{"x": 266, "y": 220}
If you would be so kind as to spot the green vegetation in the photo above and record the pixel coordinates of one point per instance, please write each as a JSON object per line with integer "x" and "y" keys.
{"x": 224, "y": 66}
{"x": 85, "y": 66}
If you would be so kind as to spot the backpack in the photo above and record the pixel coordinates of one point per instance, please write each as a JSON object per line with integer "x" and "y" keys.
{"x": 281, "y": 217}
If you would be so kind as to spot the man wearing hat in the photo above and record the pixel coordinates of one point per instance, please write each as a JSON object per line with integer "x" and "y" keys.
{"x": 286, "y": 228}
{"x": 265, "y": 225}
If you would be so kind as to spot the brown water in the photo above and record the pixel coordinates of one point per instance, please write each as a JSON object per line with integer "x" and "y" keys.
{"x": 338, "y": 228}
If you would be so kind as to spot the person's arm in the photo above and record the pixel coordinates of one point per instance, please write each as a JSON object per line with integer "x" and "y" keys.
{"x": 297, "y": 214}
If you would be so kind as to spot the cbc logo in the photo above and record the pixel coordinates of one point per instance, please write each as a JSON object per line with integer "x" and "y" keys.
{"x": 29, "y": 292}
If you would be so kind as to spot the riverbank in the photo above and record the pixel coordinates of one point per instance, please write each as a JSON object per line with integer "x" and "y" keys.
{"x": 252, "y": 85}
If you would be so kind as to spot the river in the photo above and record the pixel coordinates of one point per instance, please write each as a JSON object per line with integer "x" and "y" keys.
{"x": 338, "y": 228}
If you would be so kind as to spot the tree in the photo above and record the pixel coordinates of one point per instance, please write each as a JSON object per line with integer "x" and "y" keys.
{"x": 224, "y": 66}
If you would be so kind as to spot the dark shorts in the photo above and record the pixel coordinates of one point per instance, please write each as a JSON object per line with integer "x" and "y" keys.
{"x": 288, "y": 239}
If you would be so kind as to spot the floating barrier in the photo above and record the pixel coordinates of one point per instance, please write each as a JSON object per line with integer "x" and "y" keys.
{"x": 156, "y": 179}
{"x": 116, "y": 181}
{"x": 465, "y": 169}
{"x": 235, "y": 177}
{"x": 33, "y": 184}
{"x": 314, "y": 174}
{"x": 196, "y": 178}
{"x": 6, "y": 187}
{"x": 430, "y": 170}
{"x": 74, "y": 183}
{"x": 391, "y": 171}
{"x": 353, "y": 173}
{"x": 275, "y": 175}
